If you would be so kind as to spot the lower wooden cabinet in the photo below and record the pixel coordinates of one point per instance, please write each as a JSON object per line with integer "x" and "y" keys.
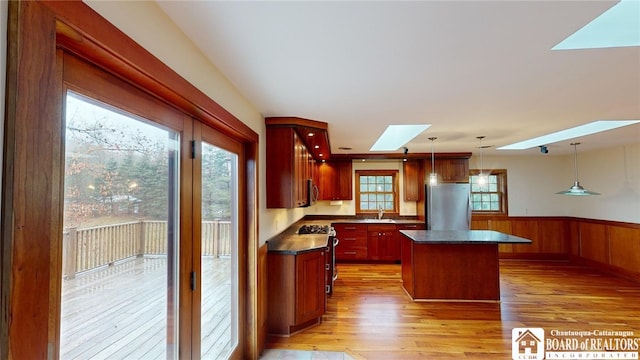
{"x": 297, "y": 295}
{"x": 370, "y": 242}
{"x": 383, "y": 244}
{"x": 353, "y": 241}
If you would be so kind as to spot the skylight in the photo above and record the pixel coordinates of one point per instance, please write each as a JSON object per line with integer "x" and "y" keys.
{"x": 578, "y": 131}
{"x": 617, "y": 27}
{"x": 396, "y": 136}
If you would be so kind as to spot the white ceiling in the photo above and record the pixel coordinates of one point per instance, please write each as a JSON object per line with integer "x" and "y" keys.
{"x": 469, "y": 68}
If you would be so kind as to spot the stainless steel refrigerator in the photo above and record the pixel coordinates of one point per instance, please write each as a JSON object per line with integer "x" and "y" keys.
{"x": 448, "y": 207}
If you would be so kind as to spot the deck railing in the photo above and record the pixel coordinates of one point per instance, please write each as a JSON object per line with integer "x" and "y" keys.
{"x": 89, "y": 248}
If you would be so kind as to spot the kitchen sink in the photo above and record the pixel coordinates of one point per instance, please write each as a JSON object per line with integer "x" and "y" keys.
{"x": 380, "y": 220}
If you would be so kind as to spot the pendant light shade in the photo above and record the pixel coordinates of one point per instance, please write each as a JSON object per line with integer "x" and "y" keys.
{"x": 576, "y": 189}
{"x": 433, "y": 177}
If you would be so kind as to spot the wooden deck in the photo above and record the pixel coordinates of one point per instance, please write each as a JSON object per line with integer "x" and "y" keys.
{"x": 119, "y": 312}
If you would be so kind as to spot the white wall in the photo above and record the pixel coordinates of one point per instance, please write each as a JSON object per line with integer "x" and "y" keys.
{"x": 534, "y": 180}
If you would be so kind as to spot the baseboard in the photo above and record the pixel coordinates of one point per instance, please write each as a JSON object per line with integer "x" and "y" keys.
{"x": 606, "y": 268}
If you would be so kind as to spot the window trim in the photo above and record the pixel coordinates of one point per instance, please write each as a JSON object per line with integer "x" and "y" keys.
{"x": 502, "y": 188}
{"x": 396, "y": 191}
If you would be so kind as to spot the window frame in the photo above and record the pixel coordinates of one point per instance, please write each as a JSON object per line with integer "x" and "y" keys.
{"x": 396, "y": 202}
{"x": 502, "y": 191}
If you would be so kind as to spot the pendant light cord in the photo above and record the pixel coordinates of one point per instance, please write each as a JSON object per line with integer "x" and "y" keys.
{"x": 575, "y": 159}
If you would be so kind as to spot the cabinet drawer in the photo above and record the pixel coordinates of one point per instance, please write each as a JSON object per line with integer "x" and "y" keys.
{"x": 349, "y": 227}
{"x": 422, "y": 226}
{"x": 352, "y": 253}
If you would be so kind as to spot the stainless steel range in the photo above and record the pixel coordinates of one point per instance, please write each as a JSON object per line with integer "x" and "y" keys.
{"x": 331, "y": 273}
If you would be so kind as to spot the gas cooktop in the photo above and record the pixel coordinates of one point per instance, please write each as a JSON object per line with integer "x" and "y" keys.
{"x": 313, "y": 229}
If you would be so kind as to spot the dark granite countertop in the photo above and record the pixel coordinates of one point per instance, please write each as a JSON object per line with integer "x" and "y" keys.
{"x": 290, "y": 242}
{"x": 463, "y": 237}
{"x": 296, "y": 244}
{"x": 376, "y": 221}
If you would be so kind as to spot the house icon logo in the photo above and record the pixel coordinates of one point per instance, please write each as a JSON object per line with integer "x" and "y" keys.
{"x": 527, "y": 343}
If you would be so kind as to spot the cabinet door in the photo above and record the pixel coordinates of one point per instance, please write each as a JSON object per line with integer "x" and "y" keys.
{"x": 453, "y": 170}
{"x": 345, "y": 181}
{"x": 382, "y": 244}
{"x": 326, "y": 177}
{"x": 310, "y": 286}
{"x": 412, "y": 181}
{"x": 335, "y": 181}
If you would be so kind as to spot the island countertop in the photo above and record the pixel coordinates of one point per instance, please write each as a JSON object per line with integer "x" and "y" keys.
{"x": 462, "y": 237}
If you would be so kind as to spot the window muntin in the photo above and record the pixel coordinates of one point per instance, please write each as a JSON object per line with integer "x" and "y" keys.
{"x": 376, "y": 190}
{"x": 491, "y": 197}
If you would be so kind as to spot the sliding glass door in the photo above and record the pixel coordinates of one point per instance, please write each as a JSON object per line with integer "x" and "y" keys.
{"x": 218, "y": 253}
{"x": 120, "y": 235}
{"x": 150, "y": 247}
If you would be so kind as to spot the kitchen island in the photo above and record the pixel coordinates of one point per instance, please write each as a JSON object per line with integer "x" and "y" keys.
{"x": 453, "y": 265}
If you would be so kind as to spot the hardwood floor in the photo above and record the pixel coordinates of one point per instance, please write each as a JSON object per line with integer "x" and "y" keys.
{"x": 369, "y": 316}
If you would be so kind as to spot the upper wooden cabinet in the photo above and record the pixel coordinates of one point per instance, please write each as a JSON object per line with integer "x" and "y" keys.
{"x": 413, "y": 180}
{"x": 335, "y": 180}
{"x": 293, "y": 147}
{"x": 288, "y": 169}
{"x": 449, "y": 170}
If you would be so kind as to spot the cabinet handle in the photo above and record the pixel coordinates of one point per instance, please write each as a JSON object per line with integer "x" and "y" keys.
{"x": 327, "y": 289}
{"x": 350, "y": 228}
{"x": 327, "y": 267}
{"x": 349, "y": 252}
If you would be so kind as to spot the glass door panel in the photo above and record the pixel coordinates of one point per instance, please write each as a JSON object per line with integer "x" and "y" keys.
{"x": 219, "y": 270}
{"x": 119, "y": 292}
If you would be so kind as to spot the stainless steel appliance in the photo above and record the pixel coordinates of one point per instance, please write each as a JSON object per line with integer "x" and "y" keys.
{"x": 331, "y": 272}
{"x": 448, "y": 207}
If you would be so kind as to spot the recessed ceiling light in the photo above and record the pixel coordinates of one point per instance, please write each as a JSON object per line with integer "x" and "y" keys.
{"x": 617, "y": 27}
{"x": 582, "y": 130}
{"x": 397, "y": 135}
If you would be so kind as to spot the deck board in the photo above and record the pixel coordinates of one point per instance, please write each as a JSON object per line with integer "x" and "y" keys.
{"x": 119, "y": 312}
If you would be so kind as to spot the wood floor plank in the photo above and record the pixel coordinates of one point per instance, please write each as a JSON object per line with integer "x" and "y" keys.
{"x": 119, "y": 312}
{"x": 369, "y": 316}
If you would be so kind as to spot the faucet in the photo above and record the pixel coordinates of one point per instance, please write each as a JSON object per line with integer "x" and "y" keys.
{"x": 380, "y": 212}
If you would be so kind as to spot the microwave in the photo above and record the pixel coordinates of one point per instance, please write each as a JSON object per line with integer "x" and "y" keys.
{"x": 312, "y": 192}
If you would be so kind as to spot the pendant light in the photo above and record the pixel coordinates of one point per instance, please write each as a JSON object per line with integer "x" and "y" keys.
{"x": 576, "y": 189}
{"x": 482, "y": 177}
{"x": 433, "y": 177}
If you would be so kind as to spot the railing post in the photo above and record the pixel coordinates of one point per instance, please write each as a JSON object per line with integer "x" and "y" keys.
{"x": 216, "y": 238}
{"x": 69, "y": 249}
{"x": 141, "y": 239}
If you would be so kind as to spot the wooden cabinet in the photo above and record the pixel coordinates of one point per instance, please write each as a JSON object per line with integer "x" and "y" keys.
{"x": 382, "y": 243}
{"x": 416, "y": 226}
{"x": 413, "y": 180}
{"x": 449, "y": 170}
{"x": 453, "y": 170}
{"x": 371, "y": 242}
{"x": 297, "y": 297}
{"x": 289, "y": 167}
{"x": 353, "y": 241}
{"x": 335, "y": 180}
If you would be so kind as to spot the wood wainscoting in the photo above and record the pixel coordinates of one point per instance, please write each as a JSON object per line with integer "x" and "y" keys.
{"x": 610, "y": 246}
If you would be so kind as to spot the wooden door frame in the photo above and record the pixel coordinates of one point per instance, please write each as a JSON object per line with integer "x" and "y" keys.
{"x": 32, "y": 197}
